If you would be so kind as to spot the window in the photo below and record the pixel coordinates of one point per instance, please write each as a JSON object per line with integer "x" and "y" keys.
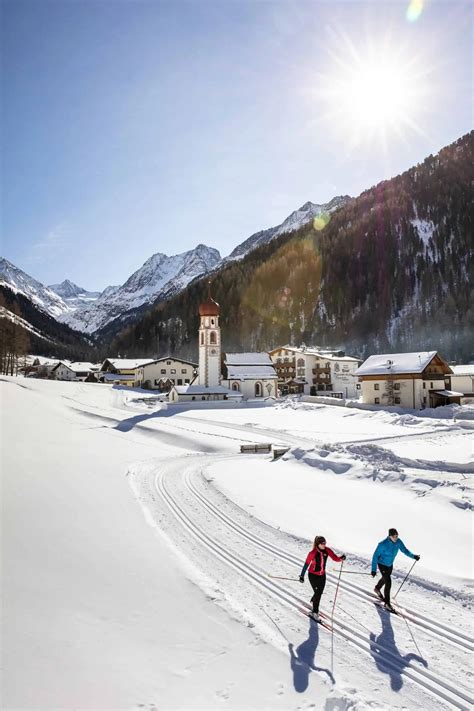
{"x": 235, "y": 386}
{"x": 202, "y": 339}
{"x": 424, "y": 386}
{"x": 186, "y": 381}
{"x": 431, "y": 386}
{"x": 377, "y": 401}
{"x": 396, "y": 386}
{"x": 357, "y": 386}
{"x": 212, "y": 338}
{"x": 424, "y": 400}
{"x": 184, "y": 371}
{"x": 212, "y": 322}
{"x": 300, "y": 362}
{"x": 376, "y": 386}
{"x": 203, "y": 398}
{"x": 163, "y": 371}
{"x": 168, "y": 362}
{"x": 157, "y": 382}
{"x": 180, "y": 381}
{"x": 193, "y": 398}
{"x": 258, "y": 390}
{"x": 173, "y": 371}
{"x": 397, "y": 401}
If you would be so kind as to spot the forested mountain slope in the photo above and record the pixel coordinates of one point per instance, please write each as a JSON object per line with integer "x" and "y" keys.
{"x": 391, "y": 270}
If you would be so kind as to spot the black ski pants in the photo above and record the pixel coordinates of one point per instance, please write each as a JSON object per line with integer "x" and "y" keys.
{"x": 386, "y": 571}
{"x": 317, "y": 583}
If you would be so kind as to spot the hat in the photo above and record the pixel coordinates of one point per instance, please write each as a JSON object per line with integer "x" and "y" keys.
{"x": 392, "y": 532}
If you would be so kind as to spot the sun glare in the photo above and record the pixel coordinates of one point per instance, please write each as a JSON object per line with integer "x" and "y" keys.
{"x": 372, "y": 91}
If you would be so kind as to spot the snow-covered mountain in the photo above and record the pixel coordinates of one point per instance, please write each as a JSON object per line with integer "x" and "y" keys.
{"x": 75, "y": 296}
{"x": 41, "y": 296}
{"x": 297, "y": 219}
{"x": 161, "y": 276}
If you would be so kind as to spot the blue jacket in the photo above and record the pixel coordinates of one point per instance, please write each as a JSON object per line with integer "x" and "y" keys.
{"x": 387, "y": 550}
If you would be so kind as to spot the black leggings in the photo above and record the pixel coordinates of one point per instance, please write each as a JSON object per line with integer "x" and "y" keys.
{"x": 317, "y": 583}
{"x": 386, "y": 571}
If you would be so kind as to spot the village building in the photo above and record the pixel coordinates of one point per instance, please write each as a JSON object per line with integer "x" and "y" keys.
{"x": 163, "y": 373}
{"x": 413, "y": 380}
{"x": 64, "y": 370}
{"x": 123, "y": 371}
{"x": 314, "y": 371}
{"x": 246, "y": 375}
{"x": 251, "y": 374}
{"x": 462, "y": 380}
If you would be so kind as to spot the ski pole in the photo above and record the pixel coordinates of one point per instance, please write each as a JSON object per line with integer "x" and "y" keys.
{"x": 280, "y": 577}
{"x": 404, "y": 579}
{"x": 354, "y": 572}
{"x": 332, "y": 618}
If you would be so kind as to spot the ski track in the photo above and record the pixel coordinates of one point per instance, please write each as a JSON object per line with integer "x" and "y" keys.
{"x": 180, "y": 473}
{"x": 446, "y": 633}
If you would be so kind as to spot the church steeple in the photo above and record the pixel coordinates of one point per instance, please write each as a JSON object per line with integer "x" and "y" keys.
{"x": 209, "y": 342}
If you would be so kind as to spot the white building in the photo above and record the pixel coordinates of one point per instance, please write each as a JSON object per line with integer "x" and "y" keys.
{"x": 311, "y": 370}
{"x": 163, "y": 373}
{"x": 64, "y": 370}
{"x": 462, "y": 380}
{"x": 122, "y": 370}
{"x": 209, "y": 343}
{"x": 199, "y": 393}
{"x": 414, "y": 380}
{"x": 251, "y": 374}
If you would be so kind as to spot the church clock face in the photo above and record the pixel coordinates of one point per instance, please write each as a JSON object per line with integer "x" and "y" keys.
{"x": 213, "y": 351}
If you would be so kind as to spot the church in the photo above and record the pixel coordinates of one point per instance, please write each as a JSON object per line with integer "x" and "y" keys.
{"x": 246, "y": 375}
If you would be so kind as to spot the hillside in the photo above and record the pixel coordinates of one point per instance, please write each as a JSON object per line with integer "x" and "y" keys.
{"x": 390, "y": 270}
{"x": 44, "y": 334}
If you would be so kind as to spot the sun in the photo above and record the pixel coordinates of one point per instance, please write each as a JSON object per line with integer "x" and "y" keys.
{"x": 376, "y": 94}
{"x": 371, "y": 91}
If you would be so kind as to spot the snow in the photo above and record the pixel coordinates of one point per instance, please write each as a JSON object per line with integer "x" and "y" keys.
{"x": 425, "y": 229}
{"x": 396, "y": 363}
{"x": 128, "y": 363}
{"x": 159, "y": 277}
{"x": 39, "y": 294}
{"x": 248, "y": 359}
{"x": 250, "y": 372}
{"x": 138, "y": 543}
{"x": 462, "y": 369}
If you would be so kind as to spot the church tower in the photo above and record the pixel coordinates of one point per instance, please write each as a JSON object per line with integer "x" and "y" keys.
{"x": 209, "y": 343}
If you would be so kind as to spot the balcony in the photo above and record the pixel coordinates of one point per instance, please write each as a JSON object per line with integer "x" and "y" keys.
{"x": 318, "y": 371}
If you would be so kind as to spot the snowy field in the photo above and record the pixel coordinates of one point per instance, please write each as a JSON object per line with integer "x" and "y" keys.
{"x": 139, "y": 546}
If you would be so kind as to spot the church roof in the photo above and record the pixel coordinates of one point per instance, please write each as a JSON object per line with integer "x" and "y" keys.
{"x": 248, "y": 359}
{"x": 250, "y": 372}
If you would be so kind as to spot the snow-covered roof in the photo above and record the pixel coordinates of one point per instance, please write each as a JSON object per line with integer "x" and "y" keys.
{"x": 115, "y": 377}
{"x": 248, "y": 359}
{"x": 250, "y": 372}
{"x": 462, "y": 369}
{"x": 81, "y": 367}
{"x": 448, "y": 393}
{"x": 396, "y": 363}
{"x": 76, "y": 366}
{"x": 175, "y": 358}
{"x": 201, "y": 390}
{"x": 127, "y": 363}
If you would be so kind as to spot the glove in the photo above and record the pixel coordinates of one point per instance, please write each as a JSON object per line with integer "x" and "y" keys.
{"x": 301, "y": 578}
{"x": 373, "y": 573}
{"x": 343, "y": 556}
{"x": 416, "y": 557}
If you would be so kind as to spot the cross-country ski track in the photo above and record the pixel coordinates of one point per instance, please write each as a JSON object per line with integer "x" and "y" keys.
{"x": 179, "y": 493}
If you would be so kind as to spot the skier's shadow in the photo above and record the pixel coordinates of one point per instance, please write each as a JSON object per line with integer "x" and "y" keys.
{"x": 395, "y": 665}
{"x": 302, "y": 659}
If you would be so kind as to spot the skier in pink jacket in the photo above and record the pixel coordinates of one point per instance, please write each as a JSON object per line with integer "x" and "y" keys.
{"x": 316, "y": 566}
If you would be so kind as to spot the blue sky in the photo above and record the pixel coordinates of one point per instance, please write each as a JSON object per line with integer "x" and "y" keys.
{"x": 134, "y": 127}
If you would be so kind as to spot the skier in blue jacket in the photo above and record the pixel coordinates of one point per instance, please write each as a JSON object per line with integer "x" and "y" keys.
{"x": 384, "y": 556}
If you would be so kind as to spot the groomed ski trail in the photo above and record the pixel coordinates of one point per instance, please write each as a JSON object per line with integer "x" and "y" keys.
{"x": 441, "y": 688}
